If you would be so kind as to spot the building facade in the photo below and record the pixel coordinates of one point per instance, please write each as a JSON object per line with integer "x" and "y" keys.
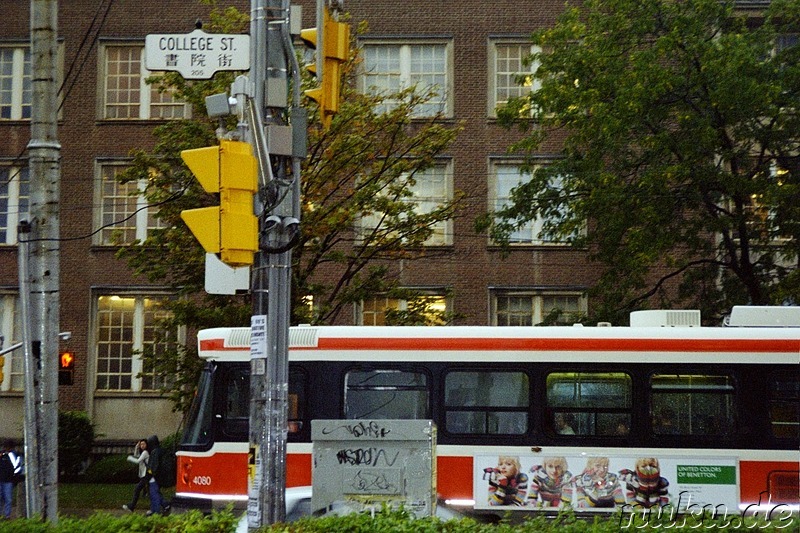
{"x": 471, "y": 50}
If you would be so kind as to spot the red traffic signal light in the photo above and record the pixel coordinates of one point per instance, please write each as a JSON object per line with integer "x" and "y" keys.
{"x": 67, "y": 361}
{"x": 66, "y": 368}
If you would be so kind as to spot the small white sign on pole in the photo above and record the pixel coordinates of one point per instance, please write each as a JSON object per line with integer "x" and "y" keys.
{"x": 223, "y": 279}
{"x": 197, "y": 55}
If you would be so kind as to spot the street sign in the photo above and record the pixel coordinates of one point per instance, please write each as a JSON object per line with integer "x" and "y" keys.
{"x": 197, "y": 55}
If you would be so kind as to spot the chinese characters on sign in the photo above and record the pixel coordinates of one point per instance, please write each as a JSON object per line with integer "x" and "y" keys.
{"x": 197, "y": 55}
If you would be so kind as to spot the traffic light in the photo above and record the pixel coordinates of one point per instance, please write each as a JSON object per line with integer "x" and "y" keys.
{"x": 335, "y": 50}
{"x": 66, "y": 368}
{"x": 231, "y": 229}
{"x": 2, "y": 364}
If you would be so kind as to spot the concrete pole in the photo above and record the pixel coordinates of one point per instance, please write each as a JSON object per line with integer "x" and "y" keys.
{"x": 33, "y": 497}
{"x": 44, "y": 152}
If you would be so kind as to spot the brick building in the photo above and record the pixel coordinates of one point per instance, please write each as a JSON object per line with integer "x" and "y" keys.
{"x": 471, "y": 49}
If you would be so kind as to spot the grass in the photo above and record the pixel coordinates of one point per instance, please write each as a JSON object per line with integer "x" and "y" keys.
{"x": 101, "y": 496}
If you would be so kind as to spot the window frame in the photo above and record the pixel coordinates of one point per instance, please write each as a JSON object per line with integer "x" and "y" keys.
{"x": 488, "y": 409}
{"x": 493, "y": 72}
{"x": 21, "y": 91}
{"x": 135, "y": 208}
{"x": 15, "y": 182}
{"x": 656, "y": 410}
{"x": 149, "y": 99}
{"x": 533, "y": 227}
{"x": 135, "y": 326}
{"x": 537, "y": 296}
{"x": 402, "y": 304}
{"x": 784, "y": 400}
{"x": 442, "y": 234}
{"x": 10, "y": 329}
{"x": 425, "y": 389}
{"x": 587, "y": 416}
{"x": 404, "y": 75}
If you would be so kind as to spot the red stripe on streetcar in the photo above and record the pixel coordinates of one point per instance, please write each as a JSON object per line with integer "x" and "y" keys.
{"x": 570, "y": 345}
{"x": 576, "y": 345}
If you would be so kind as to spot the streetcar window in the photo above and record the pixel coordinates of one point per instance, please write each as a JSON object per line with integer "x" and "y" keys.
{"x": 386, "y": 394}
{"x": 683, "y": 404}
{"x": 236, "y": 414}
{"x": 589, "y": 403}
{"x": 198, "y": 422}
{"x": 296, "y": 400}
{"x": 784, "y": 409}
{"x": 486, "y": 402}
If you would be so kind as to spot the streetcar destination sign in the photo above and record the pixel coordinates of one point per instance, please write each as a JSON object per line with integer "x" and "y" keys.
{"x": 197, "y": 55}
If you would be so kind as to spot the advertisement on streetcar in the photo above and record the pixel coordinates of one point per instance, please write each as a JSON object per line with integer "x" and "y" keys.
{"x": 605, "y": 483}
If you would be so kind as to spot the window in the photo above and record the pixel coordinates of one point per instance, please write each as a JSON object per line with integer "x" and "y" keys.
{"x": 123, "y": 215}
{"x": 126, "y": 325}
{"x": 429, "y": 189}
{"x": 506, "y": 63}
{"x": 14, "y": 367}
{"x": 200, "y": 418}
{"x": 784, "y": 408}
{"x": 235, "y": 419}
{"x": 762, "y": 222}
{"x": 392, "y": 67}
{"x": 484, "y": 403}
{"x": 14, "y": 201}
{"x": 686, "y": 404}
{"x": 533, "y": 307}
{"x": 297, "y": 401}
{"x": 126, "y": 95}
{"x": 584, "y": 403}
{"x": 504, "y": 178}
{"x": 386, "y": 394}
{"x": 15, "y": 82}
{"x": 381, "y": 310}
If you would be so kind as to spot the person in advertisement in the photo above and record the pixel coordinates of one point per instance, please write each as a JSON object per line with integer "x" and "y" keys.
{"x": 550, "y": 483}
{"x": 596, "y": 487}
{"x": 644, "y": 486}
{"x": 507, "y": 485}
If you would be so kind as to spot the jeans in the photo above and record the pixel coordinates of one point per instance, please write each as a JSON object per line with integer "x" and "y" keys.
{"x": 6, "y": 495}
{"x": 156, "y": 499}
{"x": 137, "y": 491}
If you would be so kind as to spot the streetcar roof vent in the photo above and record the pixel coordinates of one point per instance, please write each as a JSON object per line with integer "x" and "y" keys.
{"x": 303, "y": 337}
{"x": 776, "y": 316}
{"x": 239, "y": 337}
{"x": 666, "y": 318}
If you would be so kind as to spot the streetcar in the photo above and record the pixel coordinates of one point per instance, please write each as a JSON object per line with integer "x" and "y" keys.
{"x": 714, "y": 408}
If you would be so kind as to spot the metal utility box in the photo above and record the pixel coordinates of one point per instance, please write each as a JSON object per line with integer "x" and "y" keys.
{"x": 363, "y": 464}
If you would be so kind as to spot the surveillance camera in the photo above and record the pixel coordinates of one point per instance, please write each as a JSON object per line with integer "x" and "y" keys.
{"x": 65, "y": 335}
{"x": 290, "y": 224}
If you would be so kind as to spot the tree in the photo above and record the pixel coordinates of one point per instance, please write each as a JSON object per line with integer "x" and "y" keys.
{"x": 364, "y": 166}
{"x": 680, "y": 132}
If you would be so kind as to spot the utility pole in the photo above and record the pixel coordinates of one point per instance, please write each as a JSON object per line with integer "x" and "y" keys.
{"x": 44, "y": 152}
{"x": 283, "y": 133}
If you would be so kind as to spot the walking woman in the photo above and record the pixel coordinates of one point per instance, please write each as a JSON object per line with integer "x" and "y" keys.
{"x": 141, "y": 457}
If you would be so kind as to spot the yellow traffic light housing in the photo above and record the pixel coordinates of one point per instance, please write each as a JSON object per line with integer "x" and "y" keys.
{"x": 335, "y": 50}
{"x": 2, "y": 364}
{"x": 231, "y": 229}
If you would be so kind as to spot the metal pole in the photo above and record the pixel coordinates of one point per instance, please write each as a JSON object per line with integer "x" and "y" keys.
{"x": 272, "y": 272}
{"x": 44, "y": 153}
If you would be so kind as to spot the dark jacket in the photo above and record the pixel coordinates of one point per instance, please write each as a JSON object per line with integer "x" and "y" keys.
{"x": 154, "y": 447}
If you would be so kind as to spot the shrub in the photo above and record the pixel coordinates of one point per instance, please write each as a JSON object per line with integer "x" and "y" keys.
{"x": 75, "y": 438}
{"x": 111, "y": 469}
